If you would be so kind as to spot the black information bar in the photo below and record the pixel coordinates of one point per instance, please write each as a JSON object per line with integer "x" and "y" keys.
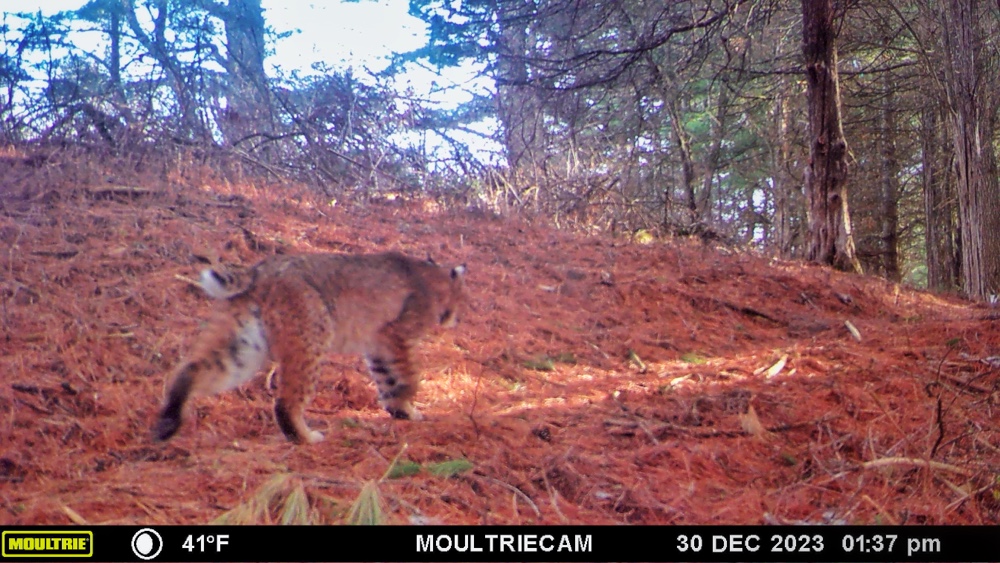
{"x": 501, "y": 543}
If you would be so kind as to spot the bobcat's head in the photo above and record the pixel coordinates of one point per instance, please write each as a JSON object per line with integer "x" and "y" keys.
{"x": 452, "y": 298}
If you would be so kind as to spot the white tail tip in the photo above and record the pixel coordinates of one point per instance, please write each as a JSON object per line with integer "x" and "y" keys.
{"x": 212, "y": 284}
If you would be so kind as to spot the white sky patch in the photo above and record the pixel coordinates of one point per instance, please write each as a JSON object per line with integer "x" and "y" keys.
{"x": 342, "y": 34}
{"x": 361, "y": 35}
{"x": 47, "y": 7}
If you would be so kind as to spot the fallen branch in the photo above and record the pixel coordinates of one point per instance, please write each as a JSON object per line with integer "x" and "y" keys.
{"x": 110, "y": 191}
{"x": 60, "y": 254}
{"x": 889, "y": 461}
{"x": 669, "y": 428}
{"x": 742, "y": 309}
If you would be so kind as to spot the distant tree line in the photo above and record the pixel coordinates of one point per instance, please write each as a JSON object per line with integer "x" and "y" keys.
{"x": 190, "y": 74}
{"x": 858, "y": 134}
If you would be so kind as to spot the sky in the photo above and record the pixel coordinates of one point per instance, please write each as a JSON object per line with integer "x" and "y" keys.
{"x": 360, "y": 34}
{"x": 354, "y": 33}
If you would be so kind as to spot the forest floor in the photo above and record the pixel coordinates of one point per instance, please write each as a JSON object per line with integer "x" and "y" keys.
{"x": 594, "y": 380}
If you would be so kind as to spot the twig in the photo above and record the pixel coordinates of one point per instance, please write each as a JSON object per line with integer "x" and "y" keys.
{"x": 26, "y": 388}
{"x": 394, "y": 461}
{"x": 74, "y": 516}
{"x": 517, "y": 492}
{"x": 638, "y": 419}
{"x": 37, "y": 409}
{"x": 886, "y": 461}
{"x": 554, "y": 498}
{"x": 475, "y": 402}
{"x": 60, "y": 254}
{"x": 965, "y": 384}
{"x": 881, "y": 509}
{"x": 667, "y": 428}
{"x": 187, "y": 280}
{"x": 120, "y": 190}
{"x": 742, "y": 309}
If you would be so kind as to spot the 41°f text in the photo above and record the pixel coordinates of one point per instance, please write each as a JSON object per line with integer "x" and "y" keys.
{"x": 203, "y": 541}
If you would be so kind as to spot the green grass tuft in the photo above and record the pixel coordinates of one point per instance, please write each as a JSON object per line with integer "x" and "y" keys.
{"x": 450, "y": 467}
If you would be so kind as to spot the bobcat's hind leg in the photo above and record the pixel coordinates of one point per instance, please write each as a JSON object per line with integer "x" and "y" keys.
{"x": 299, "y": 355}
{"x": 290, "y": 416}
{"x": 396, "y": 380}
{"x": 296, "y": 386}
{"x": 169, "y": 419}
{"x": 229, "y": 352}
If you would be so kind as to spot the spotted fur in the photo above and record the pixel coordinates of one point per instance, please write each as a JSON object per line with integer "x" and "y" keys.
{"x": 297, "y": 308}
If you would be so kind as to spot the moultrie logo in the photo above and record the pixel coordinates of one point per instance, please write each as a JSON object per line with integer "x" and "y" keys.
{"x": 49, "y": 543}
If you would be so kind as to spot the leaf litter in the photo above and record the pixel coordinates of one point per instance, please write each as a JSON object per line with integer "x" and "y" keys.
{"x": 593, "y": 381}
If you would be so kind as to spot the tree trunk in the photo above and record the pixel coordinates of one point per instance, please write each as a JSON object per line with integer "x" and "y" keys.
{"x": 683, "y": 144}
{"x": 248, "y": 109}
{"x": 786, "y": 224}
{"x": 719, "y": 132}
{"x": 830, "y": 238}
{"x": 518, "y": 106}
{"x": 972, "y": 109}
{"x": 115, "y": 51}
{"x": 889, "y": 192}
{"x": 939, "y": 227}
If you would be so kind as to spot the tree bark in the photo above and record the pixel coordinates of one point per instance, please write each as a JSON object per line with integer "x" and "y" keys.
{"x": 719, "y": 132}
{"x": 889, "y": 192}
{"x": 518, "y": 106}
{"x": 830, "y": 238}
{"x": 683, "y": 144}
{"x": 248, "y": 109}
{"x": 787, "y": 235}
{"x": 972, "y": 115}
{"x": 939, "y": 211}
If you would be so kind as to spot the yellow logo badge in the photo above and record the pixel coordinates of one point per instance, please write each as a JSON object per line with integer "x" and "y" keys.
{"x": 48, "y": 544}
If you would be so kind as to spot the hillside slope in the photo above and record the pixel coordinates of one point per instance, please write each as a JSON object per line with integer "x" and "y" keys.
{"x": 593, "y": 381}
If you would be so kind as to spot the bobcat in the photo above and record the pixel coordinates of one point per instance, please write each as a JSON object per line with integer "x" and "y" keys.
{"x": 294, "y": 308}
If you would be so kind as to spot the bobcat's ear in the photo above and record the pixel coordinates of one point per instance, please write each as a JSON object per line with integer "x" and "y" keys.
{"x": 458, "y": 271}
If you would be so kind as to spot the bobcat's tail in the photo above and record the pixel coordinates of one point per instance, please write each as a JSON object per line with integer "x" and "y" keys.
{"x": 229, "y": 352}
{"x": 219, "y": 284}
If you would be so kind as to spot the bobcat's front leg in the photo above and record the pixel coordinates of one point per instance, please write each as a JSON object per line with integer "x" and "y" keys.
{"x": 396, "y": 380}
